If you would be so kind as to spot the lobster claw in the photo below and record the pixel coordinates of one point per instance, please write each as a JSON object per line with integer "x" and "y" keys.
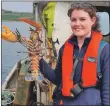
{"x": 8, "y": 35}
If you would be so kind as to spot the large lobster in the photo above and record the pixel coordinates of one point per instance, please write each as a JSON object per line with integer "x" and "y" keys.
{"x": 33, "y": 45}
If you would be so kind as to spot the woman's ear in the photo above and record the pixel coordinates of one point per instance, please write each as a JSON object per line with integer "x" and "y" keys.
{"x": 93, "y": 21}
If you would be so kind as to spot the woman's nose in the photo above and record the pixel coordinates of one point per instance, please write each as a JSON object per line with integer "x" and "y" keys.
{"x": 77, "y": 22}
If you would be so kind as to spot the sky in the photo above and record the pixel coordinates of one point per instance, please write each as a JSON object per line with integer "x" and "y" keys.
{"x": 17, "y": 6}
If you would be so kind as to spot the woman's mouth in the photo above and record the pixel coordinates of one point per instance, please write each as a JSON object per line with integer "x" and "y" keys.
{"x": 77, "y": 29}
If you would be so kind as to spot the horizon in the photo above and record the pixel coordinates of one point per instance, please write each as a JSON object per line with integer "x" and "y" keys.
{"x": 16, "y": 11}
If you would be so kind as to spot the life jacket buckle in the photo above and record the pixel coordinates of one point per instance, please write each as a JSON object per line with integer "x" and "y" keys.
{"x": 77, "y": 89}
{"x": 99, "y": 75}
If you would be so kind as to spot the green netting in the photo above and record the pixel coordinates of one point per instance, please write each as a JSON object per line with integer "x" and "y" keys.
{"x": 7, "y": 98}
{"x": 48, "y": 18}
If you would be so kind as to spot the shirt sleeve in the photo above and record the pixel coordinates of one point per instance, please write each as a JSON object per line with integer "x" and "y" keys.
{"x": 52, "y": 75}
{"x": 105, "y": 62}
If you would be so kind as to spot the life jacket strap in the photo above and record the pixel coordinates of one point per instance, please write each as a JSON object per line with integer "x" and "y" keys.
{"x": 76, "y": 60}
{"x": 74, "y": 68}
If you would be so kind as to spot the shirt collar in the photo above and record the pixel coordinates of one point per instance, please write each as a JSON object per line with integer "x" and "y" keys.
{"x": 73, "y": 40}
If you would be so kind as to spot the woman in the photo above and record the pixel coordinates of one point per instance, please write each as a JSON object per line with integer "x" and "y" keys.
{"x": 76, "y": 72}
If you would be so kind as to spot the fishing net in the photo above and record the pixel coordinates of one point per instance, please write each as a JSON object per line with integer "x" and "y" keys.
{"x": 7, "y": 98}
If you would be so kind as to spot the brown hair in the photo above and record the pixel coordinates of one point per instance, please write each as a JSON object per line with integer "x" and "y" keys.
{"x": 90, "y": 9}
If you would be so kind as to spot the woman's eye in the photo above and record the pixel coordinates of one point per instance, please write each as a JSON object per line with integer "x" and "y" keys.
{"x": 82, "y": 19}
{"x": 73, "y": 20}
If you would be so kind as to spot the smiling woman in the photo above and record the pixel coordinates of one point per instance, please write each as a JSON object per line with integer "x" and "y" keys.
{"x": 77, "y": 71}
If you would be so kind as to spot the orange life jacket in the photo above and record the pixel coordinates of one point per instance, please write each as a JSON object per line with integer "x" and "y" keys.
{"x": 89, "y": 69}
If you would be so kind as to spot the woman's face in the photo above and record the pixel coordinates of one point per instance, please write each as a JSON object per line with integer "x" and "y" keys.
{"x": 81, "y": 22}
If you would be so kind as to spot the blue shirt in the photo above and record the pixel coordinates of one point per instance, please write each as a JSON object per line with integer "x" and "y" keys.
{"x": 89, "y": 96}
